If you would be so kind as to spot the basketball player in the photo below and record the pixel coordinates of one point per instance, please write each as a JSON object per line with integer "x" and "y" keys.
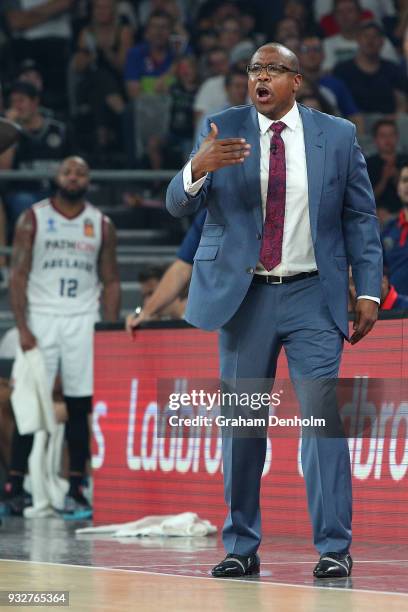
{"x": 64, "y": 258}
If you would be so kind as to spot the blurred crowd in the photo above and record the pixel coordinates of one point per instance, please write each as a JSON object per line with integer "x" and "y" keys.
{"x": 126, "y": 83}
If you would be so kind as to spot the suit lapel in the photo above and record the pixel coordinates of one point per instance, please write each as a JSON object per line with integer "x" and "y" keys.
{"x": 251, "y": 166}
{"x": 315, "y": 149}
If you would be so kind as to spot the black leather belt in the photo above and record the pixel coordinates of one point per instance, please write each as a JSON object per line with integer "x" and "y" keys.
{"x": 267, "y": 279}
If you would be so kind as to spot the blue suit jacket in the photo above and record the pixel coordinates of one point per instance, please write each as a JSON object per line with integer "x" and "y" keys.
{"x": 343, "y": 220}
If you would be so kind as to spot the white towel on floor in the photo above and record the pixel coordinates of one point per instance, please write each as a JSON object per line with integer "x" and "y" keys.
{"x": 184, "y": 524}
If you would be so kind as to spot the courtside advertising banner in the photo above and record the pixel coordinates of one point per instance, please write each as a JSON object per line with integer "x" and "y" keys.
{"x": 160, "y": 411}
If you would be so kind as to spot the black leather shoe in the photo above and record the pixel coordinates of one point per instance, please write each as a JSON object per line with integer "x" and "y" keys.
{"x": 333, "y": 565}
{"x": 236, "y": 566}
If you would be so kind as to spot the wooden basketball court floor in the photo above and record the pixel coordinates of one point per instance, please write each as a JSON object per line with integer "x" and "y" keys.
{"x": 172, "y": 575}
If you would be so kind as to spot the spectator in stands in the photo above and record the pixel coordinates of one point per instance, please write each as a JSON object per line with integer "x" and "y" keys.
{"x": 174, "y": 281}
{"x": 293, "y": 43}
{"x": 204, "y": 41}
{"x": 390, "y": 299}
{"x": 301, "y": 11}
{"x": 182, "y": 93}
{"x": 174, "y": 8}
{"x": 82, "y": 14}
{"x": 219, "y": 10}
{"x": 43, "y": 143}
{"x": 383, "y": 169}
{"x": 106, "y": 40}
{"x": 214, "y": 63}
{"x": 377, "y": 85}
{"x": 149, "y": 281}
{"x": 333, "y": 89}
{"x": 178, "y": 144}
{"x": 248, "y": 23}
{"x": 149, "y": 65}
{"x": 241, "y": 54}
{"x": 379, "y": 9}
{"x": 97, "y": 85}
{"x": 382, "y": 11}
{"x": 230, "y": 34}
{"x": 306, "y": 88}
{"x": 236, "y": 83}
{"x": 287, "y": 28}
{"x": 395, "y": 238}
{"x": 343, "y": 46}
{"x": 212, "y": 95}
{"x": 30, "y": 73}
{"x": 41, "y": 30}
{"x": 288, "y": 31}
{"x": 314, "y": 99}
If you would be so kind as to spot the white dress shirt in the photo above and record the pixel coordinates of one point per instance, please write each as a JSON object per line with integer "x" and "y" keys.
{"x": 297, "y": 247}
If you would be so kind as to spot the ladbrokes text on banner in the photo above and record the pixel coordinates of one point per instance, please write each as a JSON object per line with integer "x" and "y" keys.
{"x": 138, "y": 471}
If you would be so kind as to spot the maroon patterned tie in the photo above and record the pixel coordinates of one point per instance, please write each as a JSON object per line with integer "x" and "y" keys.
{"x": 271, "y": 249}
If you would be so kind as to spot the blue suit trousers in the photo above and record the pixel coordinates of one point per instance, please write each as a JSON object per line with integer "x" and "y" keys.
{"x": 294, "y": 316}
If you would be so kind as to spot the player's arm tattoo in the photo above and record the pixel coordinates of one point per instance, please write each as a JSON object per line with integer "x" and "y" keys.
{"x": 109, "y": 274}
{"x": 21, "y": 259}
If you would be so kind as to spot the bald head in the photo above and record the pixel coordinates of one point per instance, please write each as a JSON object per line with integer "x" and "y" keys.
{"x": 273, "y": 91}
{"x": 73, "y": 179}
{"x": 74, "y": 160}
{"x": 287, "y": 56}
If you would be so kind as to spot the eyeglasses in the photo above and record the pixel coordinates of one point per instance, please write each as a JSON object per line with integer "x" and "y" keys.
{"x": 272, "y": 69}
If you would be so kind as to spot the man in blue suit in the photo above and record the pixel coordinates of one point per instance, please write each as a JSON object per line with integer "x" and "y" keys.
{"x": 289, "y": 207}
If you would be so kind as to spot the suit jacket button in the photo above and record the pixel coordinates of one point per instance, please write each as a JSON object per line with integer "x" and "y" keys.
{"x": 258, "y": 236}
{"x": 250, "y": 270}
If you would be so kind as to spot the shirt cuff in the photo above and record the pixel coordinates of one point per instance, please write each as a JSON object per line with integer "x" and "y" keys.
{"x": 369, "y": 297}
{"x": 189, "y": 187}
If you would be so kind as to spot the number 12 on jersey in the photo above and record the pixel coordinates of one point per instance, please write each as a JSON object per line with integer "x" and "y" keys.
{"x": 68, "y": 287}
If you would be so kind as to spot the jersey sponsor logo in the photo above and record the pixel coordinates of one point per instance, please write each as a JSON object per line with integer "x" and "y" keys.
{"x": 89, "y": 229}
{"x": 51, "y": 225}
{"x": 70, "y": 245}
{"x": 71, "y": 225}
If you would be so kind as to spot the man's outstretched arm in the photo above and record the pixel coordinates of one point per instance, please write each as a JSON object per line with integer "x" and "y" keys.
{"x": 173, "y": 282}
